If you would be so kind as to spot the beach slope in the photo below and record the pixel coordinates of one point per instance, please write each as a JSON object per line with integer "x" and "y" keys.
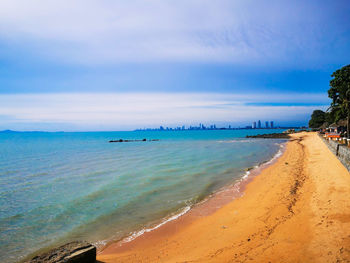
{"x": 296, "y": 210}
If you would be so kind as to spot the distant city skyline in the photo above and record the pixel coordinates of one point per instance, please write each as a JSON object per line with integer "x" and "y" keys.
{"x": 201, "y": 126}
{"x": 268, "y": 124}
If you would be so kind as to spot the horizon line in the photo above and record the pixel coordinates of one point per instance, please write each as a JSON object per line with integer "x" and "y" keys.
{"x": 156, "y": 129}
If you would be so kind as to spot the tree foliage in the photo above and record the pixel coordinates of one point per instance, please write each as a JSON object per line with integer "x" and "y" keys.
{"x": 330, "y": 117}
{"x": 318, "y": 117}
{"x": 339, "y": 92}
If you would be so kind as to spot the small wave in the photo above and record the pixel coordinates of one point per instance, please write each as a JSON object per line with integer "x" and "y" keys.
{"x": 247, "y": 173}
{"x": 277, "y": 155}
{"x": 146, "y": 230}
{"x": 101, "y": 243}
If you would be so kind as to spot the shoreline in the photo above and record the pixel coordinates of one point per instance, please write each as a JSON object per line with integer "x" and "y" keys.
{"x": 209, "y": 205}
{"x": 295, "y": 210}
{"x": 203, "y": 206}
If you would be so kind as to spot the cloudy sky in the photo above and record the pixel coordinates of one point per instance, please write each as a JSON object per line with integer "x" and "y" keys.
{"x": 118, "y": 65}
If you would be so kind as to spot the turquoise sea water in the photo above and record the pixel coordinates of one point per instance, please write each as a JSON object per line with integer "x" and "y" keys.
{"x": 55, "y": 187}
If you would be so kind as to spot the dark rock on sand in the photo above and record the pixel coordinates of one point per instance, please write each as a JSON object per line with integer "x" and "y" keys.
{"x": 73, "y": 252}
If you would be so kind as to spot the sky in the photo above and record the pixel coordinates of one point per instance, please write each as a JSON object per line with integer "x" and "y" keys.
{"x": 120, "y": 65}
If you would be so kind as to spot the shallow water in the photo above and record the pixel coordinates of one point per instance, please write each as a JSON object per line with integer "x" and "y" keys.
{"x": 55, "y": 187}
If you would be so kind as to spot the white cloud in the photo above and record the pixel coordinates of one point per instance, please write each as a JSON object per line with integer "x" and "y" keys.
{"x": 103, "y": 31}
{"x": 131, "y": 110}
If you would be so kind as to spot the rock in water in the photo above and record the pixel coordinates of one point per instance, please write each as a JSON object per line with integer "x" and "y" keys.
{"x": 270, "y": 136}
{"x": 73, "y": 252}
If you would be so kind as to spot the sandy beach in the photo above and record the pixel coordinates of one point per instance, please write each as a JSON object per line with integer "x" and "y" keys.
{"x": 296, "y": 210}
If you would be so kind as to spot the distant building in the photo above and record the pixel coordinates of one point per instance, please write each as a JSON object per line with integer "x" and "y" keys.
{"x": 266, "y": 124}
{"x": 259, "y": 124}
{"x": 271, "y": 124}
{"x": 254, "y": 125}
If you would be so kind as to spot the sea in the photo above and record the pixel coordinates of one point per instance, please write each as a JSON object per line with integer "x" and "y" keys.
{"x": 56, "y": 187}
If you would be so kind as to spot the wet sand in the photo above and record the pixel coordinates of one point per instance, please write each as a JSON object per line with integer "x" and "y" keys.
{"x": 296, "y": 210}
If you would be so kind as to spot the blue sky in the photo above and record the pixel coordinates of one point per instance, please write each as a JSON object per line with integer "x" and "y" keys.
{"x": 118, "y": 65}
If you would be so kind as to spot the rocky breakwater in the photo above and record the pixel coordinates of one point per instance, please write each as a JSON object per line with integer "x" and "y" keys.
{"x": 270, "y": 136}
{"x": 143, "y": 140}
{"x": 73, "y": 252}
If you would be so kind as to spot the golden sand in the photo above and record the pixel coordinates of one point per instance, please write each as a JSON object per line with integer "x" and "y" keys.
{"x": 296, "y": 210}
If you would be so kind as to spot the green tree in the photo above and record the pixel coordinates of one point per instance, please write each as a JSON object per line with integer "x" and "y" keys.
{"x": 330, "y": 118}
{"x": 340, "y": 95}
{"x": 318, "y": 117}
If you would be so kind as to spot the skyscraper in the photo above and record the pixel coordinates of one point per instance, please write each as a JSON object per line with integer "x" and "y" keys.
{"x": 254, "y": 125}
{"x": 271, "y": 124}
{"x": 266, "y": 124}
{"x": 259, "y": 124}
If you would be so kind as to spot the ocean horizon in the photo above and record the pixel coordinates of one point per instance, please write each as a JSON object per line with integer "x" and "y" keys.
{"x": 57, "y": 187}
